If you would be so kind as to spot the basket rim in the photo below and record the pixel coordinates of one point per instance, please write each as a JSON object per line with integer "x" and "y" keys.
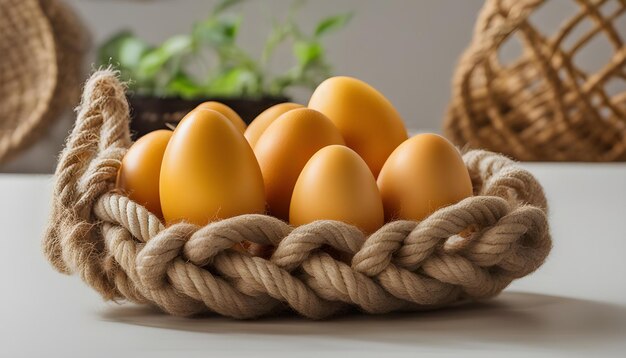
{"x": 124, "y": 252}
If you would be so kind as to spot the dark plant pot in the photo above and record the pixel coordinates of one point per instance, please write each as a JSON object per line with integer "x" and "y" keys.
{"x": 152, "y": 113}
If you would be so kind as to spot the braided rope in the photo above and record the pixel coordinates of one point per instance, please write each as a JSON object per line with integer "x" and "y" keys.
{"x": 470, "y": 250}
{"x": 545, "y": 105}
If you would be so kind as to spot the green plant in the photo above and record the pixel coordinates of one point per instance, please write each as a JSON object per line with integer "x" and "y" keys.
{"x": 208, "y": 62}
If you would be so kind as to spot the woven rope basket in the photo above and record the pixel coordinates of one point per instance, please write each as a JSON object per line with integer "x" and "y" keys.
{"x": 468, "y": 251}
{"x": 42, "y": 44}
{"x": 544, "y": 105}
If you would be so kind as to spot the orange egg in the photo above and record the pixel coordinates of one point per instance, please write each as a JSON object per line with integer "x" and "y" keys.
{"x": 366, "y": 119}
{"x": 227, "y": 112}
{"x": 423, "y": 174}
{"x": 267, "y": 117}
{"x": 209, "y": 172}
{"x": 336, "y": 184}
{"x": 138, "y": 176}
{"x": 285, "y": 147}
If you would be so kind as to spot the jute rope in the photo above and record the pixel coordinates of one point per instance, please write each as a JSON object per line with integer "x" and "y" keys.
{"x": 471, "y": 250}
{"x": 42, "y": 44}
{"x": 544, "y": 105}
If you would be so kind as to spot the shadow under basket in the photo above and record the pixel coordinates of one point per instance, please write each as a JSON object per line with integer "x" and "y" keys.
{"x": 468, "y": 251}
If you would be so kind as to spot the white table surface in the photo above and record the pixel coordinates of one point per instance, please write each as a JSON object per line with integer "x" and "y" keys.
{"x": 574, "y": 305}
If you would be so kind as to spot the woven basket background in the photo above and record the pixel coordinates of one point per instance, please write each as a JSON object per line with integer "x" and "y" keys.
{"x": 42, "y": 43}
{"x": 543, "y": 105}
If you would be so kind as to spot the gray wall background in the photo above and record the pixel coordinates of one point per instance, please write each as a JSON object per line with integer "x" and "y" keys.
{"x": 407, "y": 49}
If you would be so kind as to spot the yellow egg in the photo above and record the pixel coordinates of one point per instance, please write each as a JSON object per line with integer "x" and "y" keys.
{"x": 336, "y": 184}
{"x": 423, "y": 174}
{"x": 138, "y": 176}
{"x": 366, "y": 119}
{"x": 284, "y": 149}
{"x": 267, "y": 117}
{"x": 209, "y": 172}
{"x": 226, "y": 112}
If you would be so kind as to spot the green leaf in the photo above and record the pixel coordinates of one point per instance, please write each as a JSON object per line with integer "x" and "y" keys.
{"x": 280, "y": 83}
{"x": 225, "y": 5}
{"x": 234, "y": 82}
{"x": 176, "y": 45}
{"x": 332, "y": 23}
{"x": 183, "y": 86}
{"x": 217, "y": 32}
{"x": 307, "y": 52}
{"x": 131, "y": 51}
{"x": 109, "y": 50}
{"x": 121, "y": 49}
{"x": 153, "y": 61}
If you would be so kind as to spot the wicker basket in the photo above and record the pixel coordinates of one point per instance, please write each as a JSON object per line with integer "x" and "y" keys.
{"x": 42, "y": 45}
{"x": 468, "y": 251}
{"x": 544, "y": 105}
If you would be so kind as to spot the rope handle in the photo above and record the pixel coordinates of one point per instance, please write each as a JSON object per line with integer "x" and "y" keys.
{"x": 87, "y": 168}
